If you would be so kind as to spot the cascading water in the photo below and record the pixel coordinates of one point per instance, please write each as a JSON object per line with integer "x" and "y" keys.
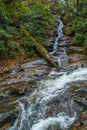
{"x": 59, "y": 33}
{"x": 48, "y": 109}
{"x": 34, "y": 116}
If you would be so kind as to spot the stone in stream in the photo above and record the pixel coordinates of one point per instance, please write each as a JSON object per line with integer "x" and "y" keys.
{"x": 65, "y": 44}
{"x": 33, "y": 64}
{"x": 79, "y": 89}
{"x": 14, "y": 69}
{"x": 65, "y": 41}
{"x": 75, "y": 49}
{"x": 9, "y": 107}
{"x": 9, "y": 110}
{"x": 77, "y": 57}
{"x": 15, "y": 86}
{"x": 7, "y": 119}
{"x": 81, "y": 123}
{"x": 74, "y": 65}
{"x": 80, "y": 64}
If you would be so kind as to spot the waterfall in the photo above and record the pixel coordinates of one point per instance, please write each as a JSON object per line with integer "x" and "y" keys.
{"x": 59, "y": 33}
{"x": 42, "y": 111}
{"x": 34, "y": 116}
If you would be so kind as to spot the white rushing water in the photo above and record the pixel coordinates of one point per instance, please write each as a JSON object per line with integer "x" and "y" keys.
{"x": 62, "y": 119}
{"x": 59, "y": 32}
{"x": 32, "y": 118}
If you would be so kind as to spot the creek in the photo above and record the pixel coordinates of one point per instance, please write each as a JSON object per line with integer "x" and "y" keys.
{"x": 60, "y": 98}
{"x": 50, "y": 108}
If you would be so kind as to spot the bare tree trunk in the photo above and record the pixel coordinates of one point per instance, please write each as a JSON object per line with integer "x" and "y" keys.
{"x": 40, "y": 48}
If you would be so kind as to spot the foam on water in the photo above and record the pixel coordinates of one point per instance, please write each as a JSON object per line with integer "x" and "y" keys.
{"x": 62, "y": 120}
{"x": 21, "y": 118}
{"x": 48, "y": 88}
{"x": 51, "y": 87}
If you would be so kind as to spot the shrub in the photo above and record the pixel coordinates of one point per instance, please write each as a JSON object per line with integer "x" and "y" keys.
{"x": 31, "y": 52}
{"x": 20, "y": 10}
{"x": 79, "y": 29}
{"x": 39, "y": 22}
{"x": 37, "y": 19}
{"x": 78, "y": 38}
{"x": 4, "y": 34}
{"x": 12, "y": 54}
{"x": 13, "y": 45}
{"x": 3, "y": 48}
{"x": 27, "y": 43}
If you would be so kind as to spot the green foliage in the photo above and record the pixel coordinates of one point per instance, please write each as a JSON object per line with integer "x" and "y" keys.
{"x": 3, "y": 48}
{"x": 4, "y": 34}
{"x": 12, "y": 30}
{"x": 79, "y": 25}
{"x": 7, "y": 1}
{"x": 31, "y": 52}
{"x": 12, "y": 54}
{"x": 36, "y": 17}
{"x": 19, "y": 10}
{"x": 75, "y": 17}
{"x": 28, "y": 46}
{"x": 3, "y": 14}
{"x": 27, "y": 43}
{"x": 79, "y": 30}
{"x": 39, "y": 22}
{"x": 85, "y": 42}
{"x": 13, "y": 45}
{"x": 78, "y": 38}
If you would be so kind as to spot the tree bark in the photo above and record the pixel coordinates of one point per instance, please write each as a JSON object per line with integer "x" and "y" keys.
{"x": 40, "y": 48}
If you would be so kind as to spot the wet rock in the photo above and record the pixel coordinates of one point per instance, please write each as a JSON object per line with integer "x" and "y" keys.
{"x": 19, "y": 90}
{"x": 82, "y": 101}
{"x": 81, "y": 123}
{"x": 81, "y": 64}
{"x": 34, "y": 64}
{"x": 79, "y": 84}
{"x": 63, "y": 38}
{"x": 6, "y": 118}
{"x": 77, "y": 57}
{"x": 74, "y": 65}
{"x": 65, "y": 41}
{"x": 74, "y": 50}
{"x": 54, "y": 127}
{"x": 15, "y": 88}
{"x": 15, "y": 69}
{"x": 16, "y": 84}
{"x": 53, "y": 33}
{"x": 79, "y": 92}
{"x": 65, "y": 44}
{"x": 9, "y": 110}
{"x": 50, "y": 47}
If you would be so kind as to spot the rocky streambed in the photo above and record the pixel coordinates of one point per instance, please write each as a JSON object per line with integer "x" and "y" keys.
{"x": 21, "y": 82}
{"x": 16, "y": 84}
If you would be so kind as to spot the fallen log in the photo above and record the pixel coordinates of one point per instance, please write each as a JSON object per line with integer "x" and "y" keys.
{"x": 40, "y": 48}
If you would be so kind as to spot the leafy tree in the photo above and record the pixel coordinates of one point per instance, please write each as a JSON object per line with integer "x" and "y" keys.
{"x": 36, "y": 17}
